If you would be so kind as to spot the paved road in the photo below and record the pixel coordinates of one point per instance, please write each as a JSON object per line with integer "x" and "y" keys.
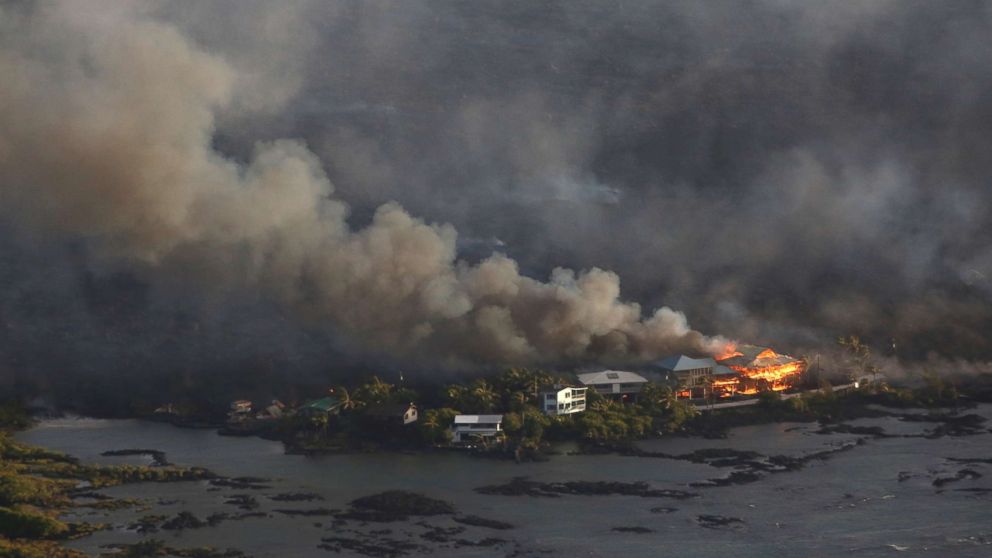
{"x": 754, "y": 401}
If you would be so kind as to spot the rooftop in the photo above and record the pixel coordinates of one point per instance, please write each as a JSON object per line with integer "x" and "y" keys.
{"x": 678, "y": 363}
{"x": 753, "y": 356}
{"x": 323, "y": 404}
{"x": 557, "y": 387}
{"x": 611, "y": 377}
{"x": 721, "y": 370}
{"x": 478, "y": 419}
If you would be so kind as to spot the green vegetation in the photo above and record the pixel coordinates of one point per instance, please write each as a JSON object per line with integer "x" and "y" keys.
{"x": 22, "y": 548}
{"x": 512, "y": 393}
{"x": 36, "y": 487}
{"x": 26, "y": 524}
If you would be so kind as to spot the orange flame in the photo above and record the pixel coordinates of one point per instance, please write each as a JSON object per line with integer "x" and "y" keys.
{"x": 764, "y": 372}
{"x": 729, "y": 351}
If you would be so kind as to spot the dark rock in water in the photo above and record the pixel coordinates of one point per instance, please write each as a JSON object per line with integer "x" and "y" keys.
{"x": 242, "y": 501}
{"x": 520, "y": 486}
{"x": 296, "y": 497}
{"x": 184, "y": 520}
{"x": 382, "y": 548}
{"x": 158, "y": 456}
{"x": 663, "y": 509}
{"x": 971, "y": 460}
{"x": 441, "y": 534}
{"x": 976, "y": 490}
{"x": 394, "y": 505}
{"x": 147, "y": 524}
{"x": 950, "y": 424}
{"x": 720, "y": 457}
{"x": 89, "y": 494}
{"x": 477, "y": 521}
{"x": 155, "y": 547}
{"x": 960, "y": 475}
{"x": 404, "y": 503}
{"x": 216, "y": 519}
{"x": 639, "y": 530}
{"x": 904, "y": 476}
{"x": 841, "y": 428}
{"x": 315, "y": 512}
{"x": 373, "y": 516}
{"x": 749, "y": 465}
{"x": 719, "y": 522}
{"x": 486, "y": 542}
{"x": 736, "y": 477}
{"x": 241, "y": 483}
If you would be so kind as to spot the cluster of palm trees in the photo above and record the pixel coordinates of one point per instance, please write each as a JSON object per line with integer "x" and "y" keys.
{"x": 374, "y": 392}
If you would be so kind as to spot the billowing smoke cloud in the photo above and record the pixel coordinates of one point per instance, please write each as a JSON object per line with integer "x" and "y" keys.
{"x": 107, "y": 126}
{"x": 782, "y": 172}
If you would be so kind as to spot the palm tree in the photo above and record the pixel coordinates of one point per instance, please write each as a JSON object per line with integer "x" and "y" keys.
{"x": 430, "y": 420}
{"x": 484, "y": 394}
{"x": 455, "y": 394}
{"x": 347, "y": 401}
{"x": 378, "y": 389}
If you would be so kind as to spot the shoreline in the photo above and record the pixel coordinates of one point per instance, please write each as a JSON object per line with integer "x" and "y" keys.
{"x": 743, "y": 465}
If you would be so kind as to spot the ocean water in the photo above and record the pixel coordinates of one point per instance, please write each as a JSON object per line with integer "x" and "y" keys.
{"x": 877, "y": 498}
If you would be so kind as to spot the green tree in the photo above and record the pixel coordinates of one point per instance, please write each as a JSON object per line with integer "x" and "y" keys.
{"x": 456, "y": 395}
{"x": 435, "y": 425}
{"x": 655, "y": 398}
{"x": 374, "y": 391}
{"x": 483, "y": 395}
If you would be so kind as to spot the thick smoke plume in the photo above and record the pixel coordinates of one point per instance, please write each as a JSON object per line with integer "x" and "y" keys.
{"x": 107, "y": 129}
{"x": 784, "y": 173}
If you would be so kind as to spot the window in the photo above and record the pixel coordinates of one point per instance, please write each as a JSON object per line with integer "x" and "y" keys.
{"x": 613, "y": 375}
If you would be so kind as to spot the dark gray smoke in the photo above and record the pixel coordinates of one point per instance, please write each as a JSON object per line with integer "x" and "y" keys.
{"x": 117, "y": 150}
{"x": 782, "y": 172}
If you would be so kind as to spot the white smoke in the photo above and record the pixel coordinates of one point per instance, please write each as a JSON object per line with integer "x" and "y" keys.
{"x": 106, "y": 130}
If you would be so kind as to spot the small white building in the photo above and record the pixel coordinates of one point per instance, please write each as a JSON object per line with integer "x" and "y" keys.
{"x": 402, "y": 413}
{"x": 469, "y": 427}
{"x": 562, "y": 400}
{"x": 618, "y": 384}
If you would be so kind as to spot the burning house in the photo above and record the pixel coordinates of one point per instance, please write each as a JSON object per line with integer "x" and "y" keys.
{"x": 761, "y": 368}
{"x": 700, "y": 377}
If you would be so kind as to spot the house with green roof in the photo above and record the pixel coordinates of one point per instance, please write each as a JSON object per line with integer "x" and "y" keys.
{"x": 325, "y": 405}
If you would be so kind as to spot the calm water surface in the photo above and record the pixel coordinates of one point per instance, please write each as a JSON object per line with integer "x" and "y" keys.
{"x": 852, "y": 503}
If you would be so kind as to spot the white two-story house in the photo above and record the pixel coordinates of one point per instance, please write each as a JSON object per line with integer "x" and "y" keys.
{"x": 562, "y": 400}
{"x": 470, "y": 427}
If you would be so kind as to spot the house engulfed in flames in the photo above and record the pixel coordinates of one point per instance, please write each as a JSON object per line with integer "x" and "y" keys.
{"x": 761, "y": 368}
